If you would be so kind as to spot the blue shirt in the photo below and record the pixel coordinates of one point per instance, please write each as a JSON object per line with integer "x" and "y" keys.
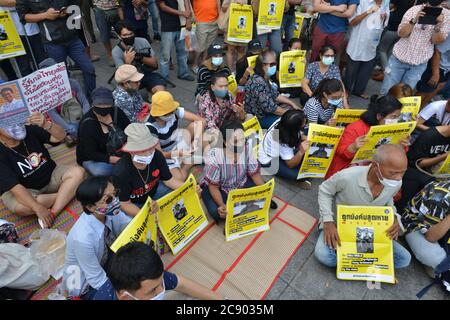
{"x": 84, "y": 251}
{"x": 329, "y": 23}
{"x": 444, "y": 49}
{"x": 107, "y": 291}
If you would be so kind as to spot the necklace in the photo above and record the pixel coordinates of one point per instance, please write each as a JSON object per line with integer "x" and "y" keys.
{"x": 142, "y": 178}
{"x": 33, "y": 157}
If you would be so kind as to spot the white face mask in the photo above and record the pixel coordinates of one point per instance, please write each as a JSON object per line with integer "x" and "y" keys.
{"x": 143, "y": 159}
{"x": 157, "y": 297}
{"x": 388, "y": 182}
{"x": 390, "y": 121}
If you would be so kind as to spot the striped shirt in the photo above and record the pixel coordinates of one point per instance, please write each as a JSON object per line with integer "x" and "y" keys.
{"x": 166, "y": 134}
{"x": 226, "y": 174}
{"x": 316, "y": 113}
{"x": 417, "y": 48}
{"x": 270, "y": 148}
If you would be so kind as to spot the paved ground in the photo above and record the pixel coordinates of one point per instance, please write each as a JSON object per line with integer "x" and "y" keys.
{"x": 304, "y": 277}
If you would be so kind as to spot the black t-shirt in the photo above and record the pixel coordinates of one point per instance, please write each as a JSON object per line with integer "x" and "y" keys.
{"x": 91, "y": 138}
{"x": 396, "y": 16}
{"x": 429, "y": 144}
{"x": 241, "y": 66}
{"x": 130, "y": 184}
{"x": 169, "y": 22}
{"x": 18, "y": 167}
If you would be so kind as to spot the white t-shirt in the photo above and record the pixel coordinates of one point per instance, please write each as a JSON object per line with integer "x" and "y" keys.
{"x": 436, "y": 108}
{"x": 270, "y": 148}
{"x": 31, "y": 28}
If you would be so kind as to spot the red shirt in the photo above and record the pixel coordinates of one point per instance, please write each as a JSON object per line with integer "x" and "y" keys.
{"x": 343, "y": 157}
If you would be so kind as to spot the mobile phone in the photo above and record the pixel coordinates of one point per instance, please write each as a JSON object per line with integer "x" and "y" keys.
{"x": 240, "y": 96}
{"x": 62, "y": 9}
{"x": 431, "y": 14}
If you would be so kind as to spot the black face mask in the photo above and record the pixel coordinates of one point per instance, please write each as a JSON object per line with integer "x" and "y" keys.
{"x": 434, "y": 3}
{"x": 102, "y": 111}
{"x": 128, "y": 41}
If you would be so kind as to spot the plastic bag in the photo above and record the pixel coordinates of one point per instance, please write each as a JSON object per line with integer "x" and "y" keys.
{"x": 190, "y": 39}
{"x": 48, "y": 249}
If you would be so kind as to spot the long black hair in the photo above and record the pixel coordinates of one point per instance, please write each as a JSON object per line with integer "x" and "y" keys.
{"x": 229, "y": 125}
{"x": 259, "y": 67}
{"x": 327, "y": 86}
{"x": 214, "y": 78}
{"x": 290, "y": 126}
{"x": 90, "y": 191}
{"x": 380, "y": 105}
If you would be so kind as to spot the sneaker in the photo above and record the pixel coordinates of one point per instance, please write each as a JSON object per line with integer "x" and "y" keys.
{"x": 187, "y": 78}
{"x": 305, "y": 185}
{"x": 157, "y": 37}
{"x": 273, "y": 205}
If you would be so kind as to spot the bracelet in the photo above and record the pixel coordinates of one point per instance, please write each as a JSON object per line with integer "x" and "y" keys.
{"x": 51, "y": 125}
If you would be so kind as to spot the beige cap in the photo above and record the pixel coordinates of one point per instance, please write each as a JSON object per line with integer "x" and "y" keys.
{"x": 139, "y": 138}
{"x": 127, "y": 72}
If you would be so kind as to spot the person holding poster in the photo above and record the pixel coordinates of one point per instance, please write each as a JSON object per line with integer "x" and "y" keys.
{"x": 243, "y": 69}
{"x": 88, "y": 242}
{"x": 137, "y": 273}
{"x": 269, "y": 16}
{"x": 292, "y": 68}
{"x": 381, "y": 110}
{"x": 373, "y": 185}
{"x": 139, "y": 173}
{"x": 294, "y": 92}
{"x": 31, "y": 184}
{"x": 284, "y": 146}
{"x": 228, "y": 168}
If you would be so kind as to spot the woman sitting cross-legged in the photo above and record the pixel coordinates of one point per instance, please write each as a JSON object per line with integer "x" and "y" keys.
{"x": 229, "y": 168}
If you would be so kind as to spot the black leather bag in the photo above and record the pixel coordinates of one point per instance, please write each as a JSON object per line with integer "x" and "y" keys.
{"x": 116, "y": 137}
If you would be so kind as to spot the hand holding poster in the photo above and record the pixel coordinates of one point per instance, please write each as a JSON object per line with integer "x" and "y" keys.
{"x": 141, "y": 229}
{"x": 232, "y": 85}
{"x": 410, "y": 109}
{"x": 248, "y": 211}
{"x": 366, "y": 251}
{"x": 384, "y": 134}
{"x": 344, "y": 117}
{"x": 240, "y": 23}
{"x": 253, "y": 134}
{"x": 444, "y": 169}
{"x": 323, "y": 143}
{"x": 298, "y": 25}
{"x": 180, "y": 215}
{"x": 292, "y": 68}
{"x": 40, "y": 91}
{"x": 10, "y": 43}
{"x": 270, "y": 14}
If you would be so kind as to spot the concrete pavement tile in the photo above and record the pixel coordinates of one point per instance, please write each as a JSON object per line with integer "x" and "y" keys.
{"x": 297, "y": 261}
{"x": 277, "y": 290}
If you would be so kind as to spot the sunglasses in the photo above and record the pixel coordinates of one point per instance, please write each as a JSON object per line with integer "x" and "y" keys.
{"x": 109, "y": 198}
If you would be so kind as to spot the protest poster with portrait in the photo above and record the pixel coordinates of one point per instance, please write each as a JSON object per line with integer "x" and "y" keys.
{"x": 298, "y": 25}
{"x": 180, "y": 215}
{"x": 253, "y": 134}
{"x": 292, "y": 68}
{"x": 141, "y": 229}
{"x": 410, "y": 109}
{"x": 323, "y": 143}
{"x": 344, "y": 117}
{"x": 248, "y": 211}
{"x": 240, "y": 23}
{"x": 270, "y": 14}
{"x": 383, "y": 134}
{"x": 10, "y": 43}
{"x": 366, "y": 251}
{"x": 40, "y": 91}
{"x": 232, "y": 85}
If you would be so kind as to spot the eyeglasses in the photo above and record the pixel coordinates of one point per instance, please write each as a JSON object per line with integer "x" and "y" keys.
{"x": 110, "y": 197}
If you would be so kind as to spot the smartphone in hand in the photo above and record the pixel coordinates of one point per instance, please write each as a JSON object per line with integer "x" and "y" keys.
{"x": 240, "y": 96}
{"x": 431, "y": 14}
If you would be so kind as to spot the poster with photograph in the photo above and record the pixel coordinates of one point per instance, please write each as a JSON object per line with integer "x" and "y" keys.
{"x": 444, "y": 169}
{"x": 383, "y": 134}
{"x": 270, "y": 14}
{"x": 180, "y": 215}
{"x": 298, "y": 25}
{"x": 410, "y": 109}
{"x": 40, "y": 91}
{"x": 323, "y": 143}
{"x": 10, "y": 43}
{"x": 292, "y": 68}
{"x": 248, "y": 211}
{"x": 232, "y": 85}
{"x": 253, "y": 134}
{"x": 344, "y": 117}
{"x": 240, "y": 23}
{"x": 366, "y": 251}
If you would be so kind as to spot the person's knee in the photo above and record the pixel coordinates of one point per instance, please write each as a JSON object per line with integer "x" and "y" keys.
{"x": 402, "y": 257}
{"x": 324, "y": 254}
{"x": 76, "y": 172}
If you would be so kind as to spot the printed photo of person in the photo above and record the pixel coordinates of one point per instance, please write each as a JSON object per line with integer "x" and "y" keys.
{"x": 272, "y": 9}
{"x": 179, "y": 210}
{"x": 320, "y": 150}
{"x": 364, "y": 240}
{"x": 246, "y": 207}
{"x": 242, "y": 22}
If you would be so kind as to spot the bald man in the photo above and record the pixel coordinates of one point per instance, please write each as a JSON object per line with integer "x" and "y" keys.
{"x": 373, "y": 185}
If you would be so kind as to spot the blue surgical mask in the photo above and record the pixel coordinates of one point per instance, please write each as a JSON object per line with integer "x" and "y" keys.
{"x": 17, "y": 132}
{"x": 335, "y": 102}
{"x": 328, "y": 61}
{"x": 271, "y": 71}
{"x": 217, "y": 61}
{"x": 220, "y": 93}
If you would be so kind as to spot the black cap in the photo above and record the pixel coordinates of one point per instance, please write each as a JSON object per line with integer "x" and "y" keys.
{"x": 215, "y": 49}
{"x": 254, "y": 46}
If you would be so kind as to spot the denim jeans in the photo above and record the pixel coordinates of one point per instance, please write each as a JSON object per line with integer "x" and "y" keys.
{"x": 281, "y": 170}
{"x": 76, "y": 51}
{"x": 167, "y": 40}
{"x": 105, "y": 22}
{"x": 98, "y": 169}
{"x": 268, "y": 120}
{"x": 275, "y": 40}
{"x": 288, "y": 25}
{"x": 388, "y": 39}
{"x": 397, "y": 72}
{"x": 212, "y": 206}
{"x": 428, "y": 253}
{"x": 327, "y": 256}
{"x": 153, "y": 10}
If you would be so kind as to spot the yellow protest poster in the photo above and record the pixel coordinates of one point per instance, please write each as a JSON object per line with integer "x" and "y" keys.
{"x": 366, "y": 251}
{"x": 253, "y": 134}
{"x": 248, "y": 211}
{"x": 252, "y": 61}
{"x": 10, "y": 44}
{"x": 142, "y": 229}
{"x": 270, "y": 14}
{"x": 240, "y": 24}
{"x": 384, "y": 134}
{"x": 298, "y": 25}
{"x": 410, "y": 109}
{"x": 344, "y": 117}
{"x": 292, "y": 68}
{"x": 232, "y": 85}
{"x": 444, "y": 169}
{"x": 180, "y": 215}
{"x": 323, "y": 144}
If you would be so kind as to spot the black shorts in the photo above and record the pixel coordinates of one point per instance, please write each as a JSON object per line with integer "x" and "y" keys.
{"x": 423, "y": 86}
{"x": 151, "y": 80}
